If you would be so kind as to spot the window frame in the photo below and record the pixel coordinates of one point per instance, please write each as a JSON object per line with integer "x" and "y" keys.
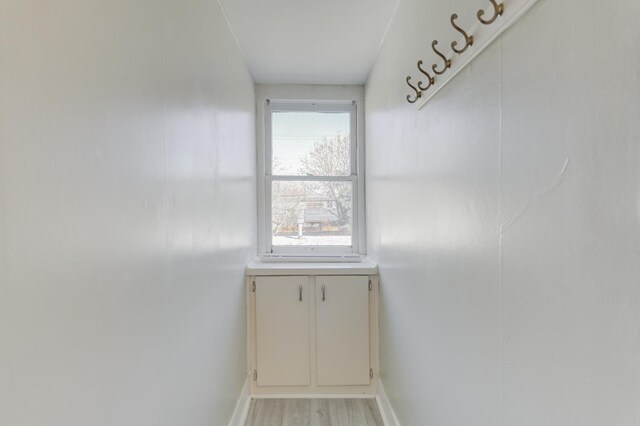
{"x": 267, "y": 177}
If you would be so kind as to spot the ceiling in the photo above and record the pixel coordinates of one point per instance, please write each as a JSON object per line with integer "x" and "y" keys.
{"x": 309, "y": 41}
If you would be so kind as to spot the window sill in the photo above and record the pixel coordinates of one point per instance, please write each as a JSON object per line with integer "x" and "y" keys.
{"x": 312, "y": 258}
{"x": 262, "y": 268}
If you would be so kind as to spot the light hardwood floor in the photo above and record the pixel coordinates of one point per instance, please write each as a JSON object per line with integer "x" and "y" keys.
{"x": 314, "y": 412}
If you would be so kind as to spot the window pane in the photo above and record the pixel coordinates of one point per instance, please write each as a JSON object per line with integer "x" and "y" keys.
{"x": 311, "y": 143}
{"x": 311, "y": 213}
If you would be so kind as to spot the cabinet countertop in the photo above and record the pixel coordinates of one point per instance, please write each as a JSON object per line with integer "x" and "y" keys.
{"x": 259, "y": 268}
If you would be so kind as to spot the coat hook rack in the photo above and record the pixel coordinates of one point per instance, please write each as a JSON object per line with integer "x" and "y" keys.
{"x": 455, "y": 54}
{"x": 498, "y": 11}
{"x": 415, "y": 89}
{"x": 447, "y": 62}
{"x": 468, "y": 39}
{"x": 430, "y": 79}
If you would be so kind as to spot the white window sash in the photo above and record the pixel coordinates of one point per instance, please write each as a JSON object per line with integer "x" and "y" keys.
{"x": 269, "y": 178}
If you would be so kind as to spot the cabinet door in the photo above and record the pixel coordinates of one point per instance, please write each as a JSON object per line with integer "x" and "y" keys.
{"x": 282, "y": 331}
{"x": 342, "y": 313}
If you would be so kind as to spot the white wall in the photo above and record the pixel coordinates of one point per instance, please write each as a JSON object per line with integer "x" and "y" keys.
{"x": 127, "y": 213}
{"x": 505, "y": 216}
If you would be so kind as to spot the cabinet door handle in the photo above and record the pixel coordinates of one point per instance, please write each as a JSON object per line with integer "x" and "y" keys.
{"x": 300, "y": 293}
{"x": 324, "y": 289}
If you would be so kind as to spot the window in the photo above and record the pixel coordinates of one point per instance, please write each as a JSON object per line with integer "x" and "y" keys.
{"x": 310, "y": 179}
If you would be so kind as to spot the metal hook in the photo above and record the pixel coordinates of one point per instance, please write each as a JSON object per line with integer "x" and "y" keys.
{"x": 418, "y": 93}
{"x": 447, "y": 62}
{"x": 467, "y": 38}
{"x": 430, "y": 78}
{"x": 498, "y": 11}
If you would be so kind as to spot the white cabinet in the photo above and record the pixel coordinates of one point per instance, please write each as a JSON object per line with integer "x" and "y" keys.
{"x": 282, "y": 331}
{"x": 313, "y": 333}
{"x": 342, "y": 327}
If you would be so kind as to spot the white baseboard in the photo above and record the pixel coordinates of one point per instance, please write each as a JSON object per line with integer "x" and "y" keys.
{"x": 386, "y": 411}
{"x": 314, "y": 396}
{"x": 242, "y": 407}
